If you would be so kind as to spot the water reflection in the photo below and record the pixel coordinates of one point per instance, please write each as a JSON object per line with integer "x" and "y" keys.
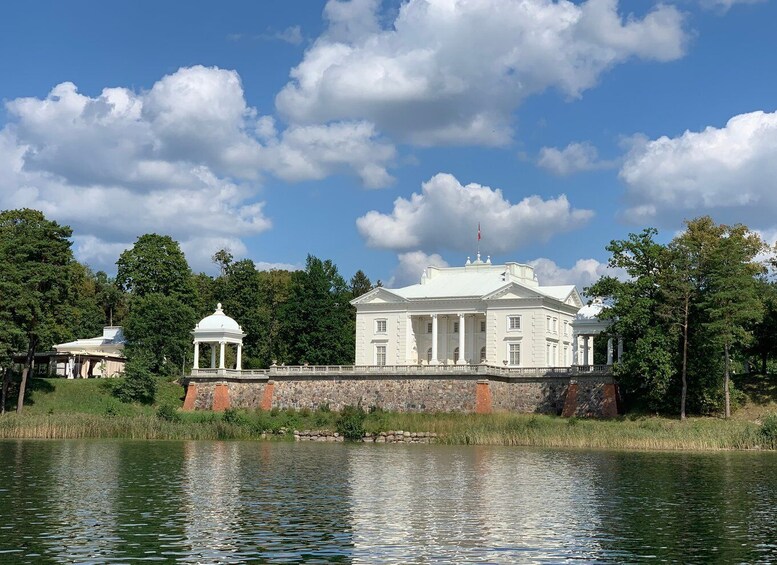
{"x": 228, "y": 502}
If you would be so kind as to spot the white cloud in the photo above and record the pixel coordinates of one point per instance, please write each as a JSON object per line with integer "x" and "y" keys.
{"x": 731, "y": 171}
{"x": 446, "y": 214}
{"x": 265, "y": 266}
{"x": 446, "y": 72}
{"x": 184, "y": 158}
{"x": 410, "y": 267}
{"x": 583, "y": 273}
{"x": 573, "y": 158}
{"x": 725, "y": 5}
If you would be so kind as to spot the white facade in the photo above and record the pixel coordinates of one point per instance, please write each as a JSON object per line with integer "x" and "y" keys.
{"x": 479, "y": 313}
{"x": 101, "y": 356}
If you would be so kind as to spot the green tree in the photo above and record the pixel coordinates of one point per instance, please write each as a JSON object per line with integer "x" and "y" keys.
{"x": 241, "y": 296}
{"x": 36, "y": 286}
{"x": 319, "y": 321}
{"x": 731, "y": 298}
{"x": 275, "y": 289}
{"x": 360, "y": 284}
{"x": 155, "y": 265}
{"x": 223, "y": 259}
{"x": 158, "y": 331}
{"x": 647, "y": 368}
{"x": 765, "y": 330}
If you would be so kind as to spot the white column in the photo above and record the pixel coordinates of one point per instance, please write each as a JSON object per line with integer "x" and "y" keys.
{"x": 585, "y": 350}
{"x": 609, "y": 351}
{"x": 620, "y": 349}
{"x": 462, "y": 356}
{"x": 434, "y": 360}
{"x": 212, "y": 355}
{"x": 196, "y": 354}
{"x": 239, "y": 363}
{"x": 221, "y": 355}
{"x": 575, "y": 339}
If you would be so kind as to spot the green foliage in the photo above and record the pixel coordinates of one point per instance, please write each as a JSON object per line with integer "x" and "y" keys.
{"x": 350, "y": 423}
{"x": 137, "y": 384}
{"x": 158, "y": 329}
{"x": 155, "y": 265}
{"x": 168, "y": 413}
{"x": 768, "y": 431}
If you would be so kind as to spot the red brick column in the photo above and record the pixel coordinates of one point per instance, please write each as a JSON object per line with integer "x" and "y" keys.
{"x": 610, "y": 401}
{"x": 482, "y": 398}
{"x": 221, "y": 397}
{"x": 267, "y": 397}
{"x": 570, "y": 403}
{"x": 191, "y": 397}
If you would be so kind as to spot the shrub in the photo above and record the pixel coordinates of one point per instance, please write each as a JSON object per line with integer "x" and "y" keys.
{"x": 137, "y": 384}
{"x": 233, "y": 416}
{"x": 168, "y": 413}
{"x": 768, "y": 431}
{"x": 350, "y": 423}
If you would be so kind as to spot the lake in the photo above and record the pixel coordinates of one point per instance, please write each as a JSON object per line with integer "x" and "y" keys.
{"x": 95, "y": 501}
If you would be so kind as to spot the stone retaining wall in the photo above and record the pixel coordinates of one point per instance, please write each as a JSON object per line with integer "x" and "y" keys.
{"x": 582, "y": 396}
{"x": 397, "y": 436}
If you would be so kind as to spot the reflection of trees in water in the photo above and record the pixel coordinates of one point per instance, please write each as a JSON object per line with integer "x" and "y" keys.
{"x": 474, "y": 504}
{"x": 688, "y": 507}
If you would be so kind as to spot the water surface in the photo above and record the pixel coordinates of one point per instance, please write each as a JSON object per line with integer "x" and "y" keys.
{"x": 231, "y": 502}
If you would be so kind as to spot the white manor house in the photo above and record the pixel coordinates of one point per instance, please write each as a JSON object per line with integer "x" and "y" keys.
{"x": 476, "y": 314}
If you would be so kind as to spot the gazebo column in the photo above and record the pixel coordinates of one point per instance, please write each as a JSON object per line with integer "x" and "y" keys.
{"x": 585, "y": 350}
{"x": 620, "y": 349}
{"x": 196, "y": 354}
{"x": 575, "y": 339}
{"x": 609, "y": 351}
{"x": 238, "y": 363}
{"x": 212, "y": 355}
{"x": 221, "y": 355}
{"x": 462, "y": 358}
{"x": 434, "y": 360}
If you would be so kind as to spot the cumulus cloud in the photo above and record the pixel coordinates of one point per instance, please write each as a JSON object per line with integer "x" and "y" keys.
{"x": 453, "y": 72}
{"x": 725, "y": 5}
{"x": 583, "y": 273}
{"x": 573, "y": 158}
{"x": 410, "y": 267}
{"x": 185, "y": 158}
{"x": 445, "y": 215}
{"x": 730, "y": 171}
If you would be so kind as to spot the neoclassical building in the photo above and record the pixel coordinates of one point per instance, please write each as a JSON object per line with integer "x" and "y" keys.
{"x": 479, "y": 313}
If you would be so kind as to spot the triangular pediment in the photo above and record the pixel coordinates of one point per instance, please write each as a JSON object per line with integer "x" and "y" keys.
{"x": 574, "y": 299}
{"x": 511, "y": 291}
{"x": 377, "y": 295}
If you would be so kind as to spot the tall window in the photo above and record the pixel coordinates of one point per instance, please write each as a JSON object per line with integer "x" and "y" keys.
{"x": 566, "y": 327}
{"x": 547, "y": 324}
{"x": 429, "y": 355}
{"x": 455, "y": 327}
{"x": 380, "y": 355}
{"x": 555, "y": 325}
{"x": 513, "y": 322}
{"x": 429, "y": 327}
{"x": 482, "y": 327}
{"x": 482, "y": 353}
{"x": 548, "y": 359}
{"x": 380, "y": 326}
{"x": 515, "y": 353}
{"x": 456, "y": 355}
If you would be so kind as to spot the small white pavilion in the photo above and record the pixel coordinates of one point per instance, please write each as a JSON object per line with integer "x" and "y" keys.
{"x": 586, "y": 326}
{"x": 218, "y": 329}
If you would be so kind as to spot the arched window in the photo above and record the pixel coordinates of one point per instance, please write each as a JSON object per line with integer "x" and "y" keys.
{"x": 456, "y": 355}
{"x": 482, "y": 354}
{"x": 429, "y": 355}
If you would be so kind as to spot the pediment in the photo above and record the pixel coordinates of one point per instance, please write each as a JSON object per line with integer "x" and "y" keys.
{"x": 377, "y": 296}
{"x": 574, "y": 299}
{"x": 512, "y": 291}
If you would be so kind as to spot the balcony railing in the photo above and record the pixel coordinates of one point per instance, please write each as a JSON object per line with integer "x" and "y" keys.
{"x": 401, "y": 370}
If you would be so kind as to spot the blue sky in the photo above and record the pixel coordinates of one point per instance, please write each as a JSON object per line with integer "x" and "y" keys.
{"x": 378, "y": 134}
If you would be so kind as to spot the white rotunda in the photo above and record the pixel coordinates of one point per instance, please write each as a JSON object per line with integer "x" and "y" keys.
{"x": 218, "y": 329}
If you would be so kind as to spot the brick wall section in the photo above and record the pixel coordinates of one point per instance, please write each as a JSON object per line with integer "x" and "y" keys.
{"x": 191, "y": 397}
{"x": 585, "y": 397}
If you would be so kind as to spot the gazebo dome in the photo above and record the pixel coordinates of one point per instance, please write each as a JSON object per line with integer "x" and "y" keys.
{"x": 591, "y": 311}
{"x": 218, "y": 321}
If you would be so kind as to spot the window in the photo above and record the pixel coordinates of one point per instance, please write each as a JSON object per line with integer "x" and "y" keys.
{"x": 515, "y": 353}
{"x": 555, "y": 354}
{"x": 429, "y": 355}
{"x": 483, "y": 354}
{"x": 429, "y": 327}
{"x": 456, "y": 355}
{"x": 566, "y": 327}
{"x": 555, "y": 325}
{"x": 566, "y": 355}
{"x": 455, "y": 327}
{"x": 547, "y": 324}
{"x": 482, "y": 327}
{"x": 380, "y": 326}
{"x": 513, "y": 322}
{"x": 380, "y": 355}
{"x": 548, "y": 359}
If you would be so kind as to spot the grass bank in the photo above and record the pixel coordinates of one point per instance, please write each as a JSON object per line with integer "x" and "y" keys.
{"x": 86, "y": 409}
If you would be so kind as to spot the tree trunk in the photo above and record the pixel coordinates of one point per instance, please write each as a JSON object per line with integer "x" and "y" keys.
{"x": 763, "y": 363}
{"x": 685, "y": 361}
{"x": 25, "y": 373}
{"x": 725, "y": 384}
{"x": 4, "y": 391}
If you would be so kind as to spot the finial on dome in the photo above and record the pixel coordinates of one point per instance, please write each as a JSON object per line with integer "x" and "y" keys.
{"x": 468, "y": 261}
{"x": 488, "y": 260}
{"x": 218, "y": 309}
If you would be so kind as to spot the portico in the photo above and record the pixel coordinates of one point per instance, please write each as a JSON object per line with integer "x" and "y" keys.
{"x": 586, "y": 327}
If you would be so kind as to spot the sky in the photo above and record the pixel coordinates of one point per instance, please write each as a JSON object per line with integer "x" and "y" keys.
{"x": 381, "y": 134}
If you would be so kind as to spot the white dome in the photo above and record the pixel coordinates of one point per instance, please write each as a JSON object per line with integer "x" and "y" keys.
{"x": 590, "y": 311}
{"x": 218, "y": 321}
